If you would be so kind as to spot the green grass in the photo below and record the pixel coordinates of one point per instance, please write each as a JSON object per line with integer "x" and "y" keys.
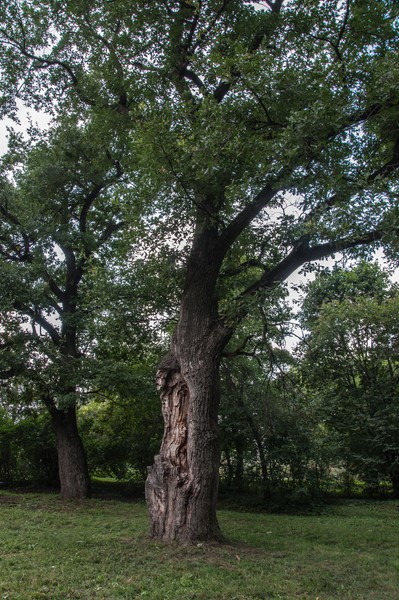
{"x": 98, "y": 549}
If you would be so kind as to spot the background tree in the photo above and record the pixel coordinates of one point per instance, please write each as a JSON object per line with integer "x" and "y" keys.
{"x": 268, "y": 138}
{"x": 253, "y": 359}
{"x": 363, "y": 280}
{"x": 59, "y": 214}
{"x": 27, "y": 446}
{"x": 351, "y": 361}
{"x": 122, "y": 431}
{"x": 272, "y": 435}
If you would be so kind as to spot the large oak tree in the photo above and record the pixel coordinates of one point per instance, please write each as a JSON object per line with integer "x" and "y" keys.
{"x": 268, "y": 138}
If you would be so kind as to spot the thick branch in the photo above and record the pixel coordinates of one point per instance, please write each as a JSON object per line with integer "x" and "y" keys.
{"x": 275, "y": 6}
{"x": 123, "y": 105}
{"x": 193, "y": 77}
{"x": 111, "y": 228}
{"x": 193, "y": 28}
{"x": 42, "y": 62}
{"x": 302, "y": 253}
{"x": 246, "y": 216}
{"x": 44, "y": 324}
{"x": 240, "y": 350}
{"x": 20, "y": 254}
{"x": 58, "y": 293}
{"x": 9, "y": 216}
{"x": 225, "y": 86}
{"x": 69, "y": 257}
{"x": 50, "y": 405}
{"x": 40, "y": 320}
{"x": 88, "y": 201}
{"x": 204, "y": 34}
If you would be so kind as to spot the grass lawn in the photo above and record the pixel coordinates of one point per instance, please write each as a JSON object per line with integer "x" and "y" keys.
{"x": 98, "y": 549}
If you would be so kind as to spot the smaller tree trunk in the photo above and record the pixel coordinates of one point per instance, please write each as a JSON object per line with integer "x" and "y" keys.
{"x": 395, "y": 482}
{"x": 72, "y": 464}
{"x": 239, "y": 470}
{"x": 266, "y": 491}
{"x": 230, "y": 468}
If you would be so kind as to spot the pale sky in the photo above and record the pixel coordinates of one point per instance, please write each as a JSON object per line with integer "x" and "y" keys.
{"x": 39, "y": 119}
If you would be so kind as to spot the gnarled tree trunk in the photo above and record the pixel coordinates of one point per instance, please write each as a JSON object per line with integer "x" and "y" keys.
{"x": 182, "y": 485}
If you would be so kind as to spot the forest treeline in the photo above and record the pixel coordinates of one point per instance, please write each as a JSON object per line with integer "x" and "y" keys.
{"x": 297, "y": 425}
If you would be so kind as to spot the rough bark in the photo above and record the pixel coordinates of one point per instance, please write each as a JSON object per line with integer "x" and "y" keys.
{"x": 182, "y": 485}
{"x": 72, "y": 465}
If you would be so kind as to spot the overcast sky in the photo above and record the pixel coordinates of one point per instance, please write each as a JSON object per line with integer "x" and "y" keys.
{"x": 39, "y": 119}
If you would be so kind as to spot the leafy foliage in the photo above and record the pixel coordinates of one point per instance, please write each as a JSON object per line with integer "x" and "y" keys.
{"x": 351, "y": 360}
{"x": 122, "y": 433}
{"x": 27, "y": 449}
{"x": 238, "y": 144}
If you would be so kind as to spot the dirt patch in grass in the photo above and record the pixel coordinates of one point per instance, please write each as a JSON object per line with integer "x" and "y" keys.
{"x": 8, "y": 500}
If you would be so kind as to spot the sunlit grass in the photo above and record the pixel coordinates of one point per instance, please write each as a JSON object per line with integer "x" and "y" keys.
{"x": 99, "y": 549}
